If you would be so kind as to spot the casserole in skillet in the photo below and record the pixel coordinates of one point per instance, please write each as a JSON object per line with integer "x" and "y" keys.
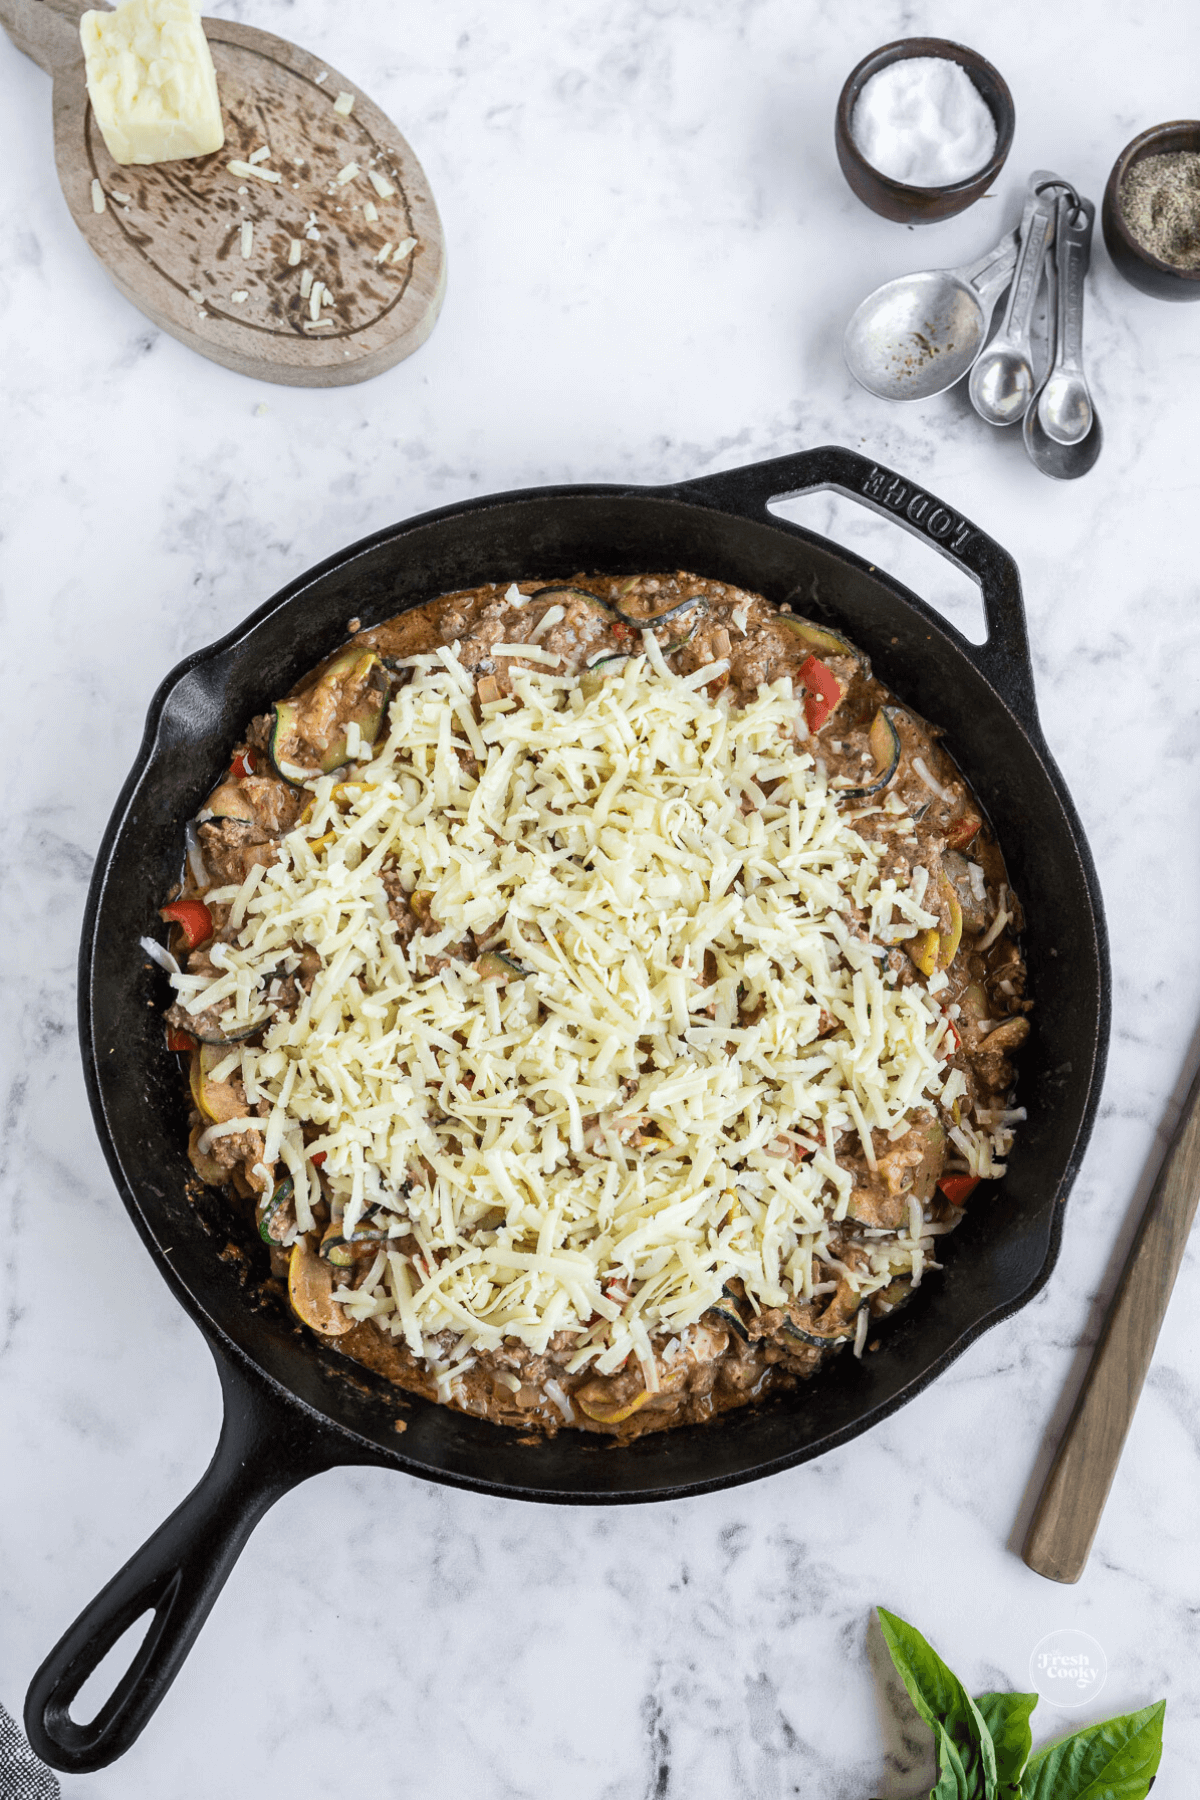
{"x": 290, "y": 1414}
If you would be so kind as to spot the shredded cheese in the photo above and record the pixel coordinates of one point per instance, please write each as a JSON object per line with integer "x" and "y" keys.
{"x": 583, "y": 1137}
{"x": 242, "y": 169}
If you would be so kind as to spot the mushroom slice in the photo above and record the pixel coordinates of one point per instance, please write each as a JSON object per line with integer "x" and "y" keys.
{"x": 1008, "y": 1036}
{"x": 207, "y": 1167}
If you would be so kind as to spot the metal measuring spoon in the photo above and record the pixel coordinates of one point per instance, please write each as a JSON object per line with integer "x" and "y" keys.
{"x": 1064, "y": 408}
{"x": 1062, "y": 462}
{"x": 1002, "y": 380}
{"x": 916, "y": 336}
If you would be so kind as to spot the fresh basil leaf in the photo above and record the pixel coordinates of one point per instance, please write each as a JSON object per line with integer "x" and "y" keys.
{"x": 953, "y": 1782}
{"x": 1007, "y": 1718}
{"x": 943, "y": 1702}
{"x": 1113, "y": 1761}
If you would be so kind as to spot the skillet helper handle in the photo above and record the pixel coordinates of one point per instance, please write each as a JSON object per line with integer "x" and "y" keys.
{"x": 1004, "y": 659}
{"x": 177, "y": 1574}
{"x": 45, "y": 30}
{"x": 1068, "y": 1513}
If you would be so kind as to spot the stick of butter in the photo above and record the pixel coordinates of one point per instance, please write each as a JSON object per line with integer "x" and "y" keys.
{"x": 151, "y": 81}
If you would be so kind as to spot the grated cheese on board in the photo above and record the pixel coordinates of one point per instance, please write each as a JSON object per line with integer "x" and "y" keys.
{"x": 242, "y": 169}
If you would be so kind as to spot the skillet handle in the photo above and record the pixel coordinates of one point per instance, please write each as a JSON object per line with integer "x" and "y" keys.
{"x": 264, "y": 1450}
{"x": 1004, "y": 659}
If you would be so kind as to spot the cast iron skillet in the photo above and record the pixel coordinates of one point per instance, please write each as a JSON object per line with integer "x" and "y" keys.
{"x": 293, "y": 1409}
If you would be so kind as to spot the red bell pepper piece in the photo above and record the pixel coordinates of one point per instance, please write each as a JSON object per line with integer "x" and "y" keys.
{"x": 823, "y": 691}
{"x": 958, "y": 1188}
{"x": 243, "y": 764}
{"x": 180, "y": 1040}
{"x": 318, "y": 1158}
{"x": 962, "y": 831}
{"x": 193, "y": 919}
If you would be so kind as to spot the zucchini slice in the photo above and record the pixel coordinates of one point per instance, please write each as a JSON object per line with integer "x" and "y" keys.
{"x": 948, "y": 949}
{"x": 811, "y": 1334}
{"x": 819, "y": 638}
{"x": 671, "y": 612}
{"x": 607, "y": 1415}
{"x": 494, "y": 965}
{"x": 339, "y": 1249}
{"x": 238, "y": 1035}
{"x": 923, "y": 951}
{"x": 813, "y": 1338}
{"x": 610, "y": 606}
{"x": 729, "y": 1313}
{"x": 215, "y": 1100}
{"x": 609, "y": 656}
{"x": 277, "y": 1215}
{"x": 593, "y": 678}
{"x": 884, "y": 740}
{"x": 309, "y": 734}
{"x": 681, "y": 643}
{"x": 230, "y": 802}
{"x": 885, "y": 1300}
{"x": 311, "y": 1283}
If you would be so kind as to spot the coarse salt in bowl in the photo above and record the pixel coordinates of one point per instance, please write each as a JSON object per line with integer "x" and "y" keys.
{"x": 923, "y": 127}
{"x": 924, "y": 122}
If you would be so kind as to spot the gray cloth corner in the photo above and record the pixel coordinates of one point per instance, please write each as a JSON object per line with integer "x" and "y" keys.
{"x": 23, "y": 1776}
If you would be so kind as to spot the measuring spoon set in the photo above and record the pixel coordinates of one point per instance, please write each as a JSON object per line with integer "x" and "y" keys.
{"x": 918, "y": 335}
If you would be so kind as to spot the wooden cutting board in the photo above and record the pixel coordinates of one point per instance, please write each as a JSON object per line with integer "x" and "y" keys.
{"x": 171, "y": 234}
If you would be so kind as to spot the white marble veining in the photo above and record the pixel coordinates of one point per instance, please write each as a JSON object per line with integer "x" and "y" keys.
{"x": 652, "y": 254}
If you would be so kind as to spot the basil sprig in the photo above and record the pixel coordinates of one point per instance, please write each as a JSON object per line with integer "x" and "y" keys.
{"x": 983, "y": 1744}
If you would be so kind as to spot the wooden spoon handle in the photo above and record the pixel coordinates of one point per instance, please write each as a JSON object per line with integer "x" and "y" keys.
{"x": 46, "y": 30}
{"x": 1068, "y": 1513}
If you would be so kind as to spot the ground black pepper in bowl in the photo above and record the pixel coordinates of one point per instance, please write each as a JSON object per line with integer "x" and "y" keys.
{"x": 1151, "y": 211}
{"x": 1160, "y": 201}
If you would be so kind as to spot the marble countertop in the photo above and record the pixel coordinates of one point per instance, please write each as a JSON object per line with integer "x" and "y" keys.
{"x": 652, "y": 254}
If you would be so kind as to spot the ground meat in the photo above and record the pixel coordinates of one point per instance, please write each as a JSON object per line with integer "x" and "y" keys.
{"x": 231, "y": 850}
{"x": 241, "y": 1149}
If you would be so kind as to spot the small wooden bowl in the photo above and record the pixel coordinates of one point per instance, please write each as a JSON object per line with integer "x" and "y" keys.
{"x": 895, "y": 199}
{"x": 1139, "y": 267}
